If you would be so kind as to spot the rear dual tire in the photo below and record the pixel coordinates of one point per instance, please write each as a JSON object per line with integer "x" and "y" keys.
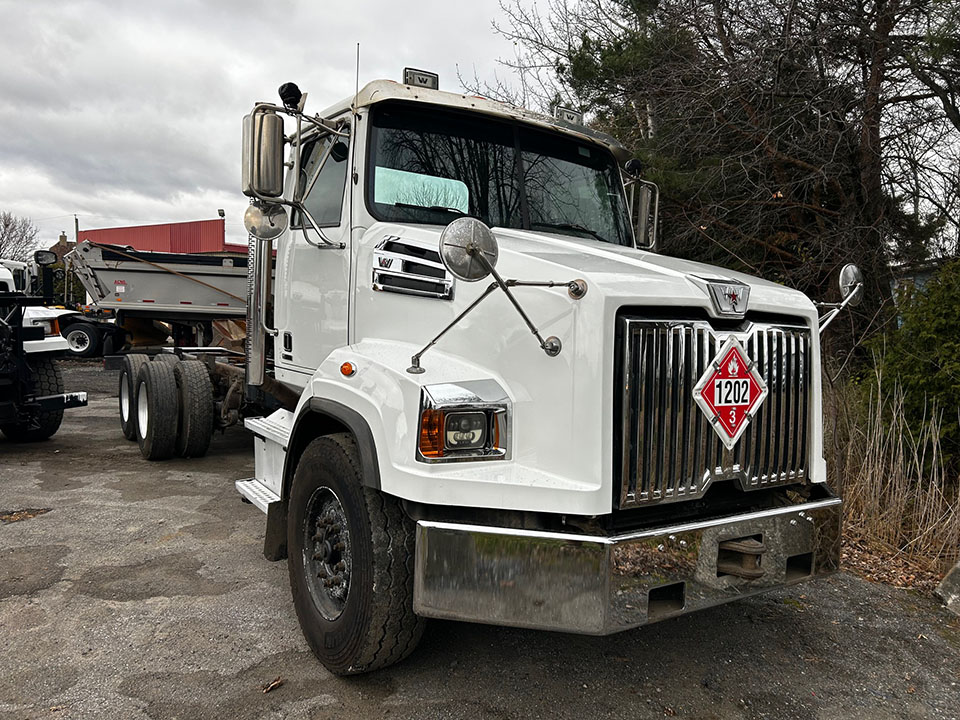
{"x": 173, "y": 412}
{"x": 156, "y": 411}
{"x": 127, "y": 392}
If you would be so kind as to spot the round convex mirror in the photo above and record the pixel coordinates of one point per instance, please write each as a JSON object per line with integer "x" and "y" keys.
{"x": 265, "y": 222}
{"x": 851, "y": 280}
{"x": 461, "y": 243}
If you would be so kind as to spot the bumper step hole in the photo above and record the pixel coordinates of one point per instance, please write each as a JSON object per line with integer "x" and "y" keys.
{"x": 799, "y": 566}
{"x": 666, "y": 600}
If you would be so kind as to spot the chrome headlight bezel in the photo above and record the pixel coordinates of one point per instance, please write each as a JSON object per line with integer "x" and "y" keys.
{"x": 443, "y": 399}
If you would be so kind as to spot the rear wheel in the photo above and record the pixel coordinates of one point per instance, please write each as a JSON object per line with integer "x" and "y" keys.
{"x": 351, "y": 554}
{"x": 195, "y": 396}
{"x": 82, "y": 340}
{"x": 39, "y": 425}
{"x": 127, "y": 391}
{"x": 156, "y": 410}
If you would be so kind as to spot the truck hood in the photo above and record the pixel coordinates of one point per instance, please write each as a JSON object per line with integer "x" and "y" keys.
{"x": 619, "y": 272}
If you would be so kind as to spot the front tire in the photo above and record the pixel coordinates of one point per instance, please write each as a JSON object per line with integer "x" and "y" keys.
{"x": 82, "y": 341}
{"x": 351, "y": 556}
{"x": 40, "y": 425}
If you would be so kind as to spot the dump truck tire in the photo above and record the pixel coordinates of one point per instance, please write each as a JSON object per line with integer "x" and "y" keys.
{"x": 156, "y": 410}
{"x": 351, "y": 555}
{"x": 165, "y": 357}
{"x": 195, "y": 397}
{"x": 126, "y": 393}
{"x": 41, "y": 425}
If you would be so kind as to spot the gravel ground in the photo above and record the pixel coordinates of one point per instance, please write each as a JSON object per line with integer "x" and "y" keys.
{"x": 143, "y": 593}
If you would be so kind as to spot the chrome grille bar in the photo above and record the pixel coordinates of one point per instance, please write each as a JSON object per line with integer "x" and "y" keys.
{"x": 669, "y": 450}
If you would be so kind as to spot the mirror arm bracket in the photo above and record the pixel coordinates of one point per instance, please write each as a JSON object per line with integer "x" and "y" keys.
{"x": 836, "y": 308}
{"x": 415, "y": 368}
{"x": 551, "y": 346}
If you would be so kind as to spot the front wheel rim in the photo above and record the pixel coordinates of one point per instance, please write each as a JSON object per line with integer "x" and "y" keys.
{"x": 143, "y": 411}
{"x": 78, "y": 341}
{"x": 327, "y": 553}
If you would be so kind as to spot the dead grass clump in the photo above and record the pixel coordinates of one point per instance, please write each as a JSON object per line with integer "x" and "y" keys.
{"x": 899, "y": 499}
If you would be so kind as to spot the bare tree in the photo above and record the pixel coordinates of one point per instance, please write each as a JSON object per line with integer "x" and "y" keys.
{"x": 788, "y": 136}
{"x": 18, "y": 237}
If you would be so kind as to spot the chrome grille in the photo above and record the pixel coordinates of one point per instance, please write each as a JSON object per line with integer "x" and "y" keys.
{"x": 670, "y": 450}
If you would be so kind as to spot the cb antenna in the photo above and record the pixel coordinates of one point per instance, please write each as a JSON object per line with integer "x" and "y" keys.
{"x": 356, "y": 86}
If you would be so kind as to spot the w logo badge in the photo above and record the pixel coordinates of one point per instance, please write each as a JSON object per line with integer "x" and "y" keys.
{"x": 728, "y": 298}
{"x": 384, "y": 262}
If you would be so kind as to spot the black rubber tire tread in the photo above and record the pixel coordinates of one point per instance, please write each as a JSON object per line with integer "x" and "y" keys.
{"x": 160, "y": 439}
{"x": 48, "y": 381}
{"x": 377, "y": 627}
{"x": 195, "y": 400}
{"x": 94, "y": 340}
{"x": 128, "y": 374}
{"x": 166, "y": 357}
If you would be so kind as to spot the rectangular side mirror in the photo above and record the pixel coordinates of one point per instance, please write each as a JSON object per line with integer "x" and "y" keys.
{"x": 262, "y": 154}
{"x": 44, "y": 257}
{"x": 645, "y": 203}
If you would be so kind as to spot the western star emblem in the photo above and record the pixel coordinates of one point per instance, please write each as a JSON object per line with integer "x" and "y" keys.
{"x": 730, "y": 392}
{"x": 729, "y": 298}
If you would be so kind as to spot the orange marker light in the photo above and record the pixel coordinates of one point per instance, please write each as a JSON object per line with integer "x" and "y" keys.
{"x": 431, "y": 433}
{"x": 348, "y": 369}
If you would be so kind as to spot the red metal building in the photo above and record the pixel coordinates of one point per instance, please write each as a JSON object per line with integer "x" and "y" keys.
{"x": 198, "y": 236}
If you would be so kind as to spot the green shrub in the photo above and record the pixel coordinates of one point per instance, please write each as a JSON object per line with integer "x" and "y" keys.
{"x": 922, "y": 356}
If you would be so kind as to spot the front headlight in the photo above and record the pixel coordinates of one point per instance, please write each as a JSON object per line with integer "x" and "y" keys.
{"x": 463, "y": 421}
{"x": 50, "y": 327}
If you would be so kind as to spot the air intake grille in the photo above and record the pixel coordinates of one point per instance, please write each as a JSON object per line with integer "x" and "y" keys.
{"x": 669, "y": 450}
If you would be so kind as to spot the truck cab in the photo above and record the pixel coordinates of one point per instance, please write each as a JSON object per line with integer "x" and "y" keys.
{"x": 510, "y": 408}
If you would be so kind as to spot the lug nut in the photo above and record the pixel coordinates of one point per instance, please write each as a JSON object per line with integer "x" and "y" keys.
{"x": 339, "y": 546}
{"x": 340, "y": 566}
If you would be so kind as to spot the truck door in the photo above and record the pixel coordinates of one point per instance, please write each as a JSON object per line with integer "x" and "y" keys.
{"x": 312, "y": 282}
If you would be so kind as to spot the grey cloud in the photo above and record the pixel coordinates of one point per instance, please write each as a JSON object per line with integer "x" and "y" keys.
{"x": 130, "y": 112}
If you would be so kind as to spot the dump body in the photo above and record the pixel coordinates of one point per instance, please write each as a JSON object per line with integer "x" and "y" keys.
{"x": 162, "y": 284}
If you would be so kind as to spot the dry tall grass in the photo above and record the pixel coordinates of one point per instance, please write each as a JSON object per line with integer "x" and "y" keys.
{"x": 897, "y": 494}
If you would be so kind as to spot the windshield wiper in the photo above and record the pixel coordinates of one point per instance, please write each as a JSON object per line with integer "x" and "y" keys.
{"x": 441, "y": 208}
{"x": 570, "y": 226}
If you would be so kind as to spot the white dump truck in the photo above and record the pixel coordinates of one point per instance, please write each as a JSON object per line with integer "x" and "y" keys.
{"x": 494, "y": 401}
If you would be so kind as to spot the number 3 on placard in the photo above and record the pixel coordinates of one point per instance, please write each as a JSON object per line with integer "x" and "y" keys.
{"x": 733, "y": 417}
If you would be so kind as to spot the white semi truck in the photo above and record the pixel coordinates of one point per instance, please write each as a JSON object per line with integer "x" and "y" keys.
{"x": 595, "y": 438}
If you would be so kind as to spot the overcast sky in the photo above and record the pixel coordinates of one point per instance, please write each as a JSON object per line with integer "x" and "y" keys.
{"x": 129, "y": 113}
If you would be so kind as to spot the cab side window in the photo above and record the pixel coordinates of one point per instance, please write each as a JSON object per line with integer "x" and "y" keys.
{"x": 324, "y": 201}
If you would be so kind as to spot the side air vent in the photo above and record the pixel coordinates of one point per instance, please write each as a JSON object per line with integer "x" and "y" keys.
{"x": 410, "y": 269}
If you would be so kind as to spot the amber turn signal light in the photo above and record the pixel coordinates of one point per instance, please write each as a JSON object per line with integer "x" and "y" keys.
{"x": 431, "y": 433}
{"x": 347, "y": 369}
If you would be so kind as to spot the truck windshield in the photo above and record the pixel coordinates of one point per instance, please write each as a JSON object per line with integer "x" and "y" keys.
{"x": 428, "y": 165}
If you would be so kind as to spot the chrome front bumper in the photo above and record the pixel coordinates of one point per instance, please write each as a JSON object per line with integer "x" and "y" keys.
{"x": 601, "y": 585}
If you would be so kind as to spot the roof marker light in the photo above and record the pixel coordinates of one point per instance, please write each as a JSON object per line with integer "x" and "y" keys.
{"x": 567, "y": 115}
{"x": 421, "y": 78}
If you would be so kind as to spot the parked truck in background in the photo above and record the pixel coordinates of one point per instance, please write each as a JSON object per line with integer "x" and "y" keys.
{"x": 595, "y": 438}
{"x": 32, "y": 397}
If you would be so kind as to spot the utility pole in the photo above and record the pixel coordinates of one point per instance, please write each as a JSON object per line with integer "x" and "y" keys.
{"x": 67, "y": 280}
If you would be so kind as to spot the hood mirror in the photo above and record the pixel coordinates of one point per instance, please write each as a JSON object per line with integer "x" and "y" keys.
{"x": 851, "y": 284}
{"x": 851, "y": 292}
{"x": 462, "y": 245}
